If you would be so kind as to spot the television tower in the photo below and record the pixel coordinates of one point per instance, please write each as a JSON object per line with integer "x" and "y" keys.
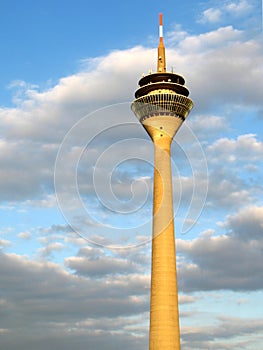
{"x": 162, "y": 105}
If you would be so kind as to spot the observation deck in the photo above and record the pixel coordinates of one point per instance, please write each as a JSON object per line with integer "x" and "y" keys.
{"x": 162, "y": 94}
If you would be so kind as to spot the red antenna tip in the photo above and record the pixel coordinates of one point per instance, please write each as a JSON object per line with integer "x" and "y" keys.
{"x": 161, "y": 19}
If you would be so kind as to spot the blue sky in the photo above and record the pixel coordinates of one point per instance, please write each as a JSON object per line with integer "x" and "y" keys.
{"x": 44, "y": 41}
{"x": 76, "y": 173}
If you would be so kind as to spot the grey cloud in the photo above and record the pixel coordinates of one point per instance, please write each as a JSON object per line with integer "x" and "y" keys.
{"x": 227, "y": 333}
{"x": 247, "y": 225}
{"x": 56, "y": 305}
{"x": 47, "y": 282}
{"x": 94, "y": 262}
{"x": 228, "y": 261}
{"x": 70, "y": 336}
{"x": 62, "y": 310}
{"x": 99, "y": 267}
{"x": 228, "y": 190}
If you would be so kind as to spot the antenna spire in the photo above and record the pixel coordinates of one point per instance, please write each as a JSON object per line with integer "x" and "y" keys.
{"x": 161, "y": 66}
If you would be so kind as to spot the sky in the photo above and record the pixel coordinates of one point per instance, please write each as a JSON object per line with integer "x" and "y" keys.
{"x": 77, "y": 170}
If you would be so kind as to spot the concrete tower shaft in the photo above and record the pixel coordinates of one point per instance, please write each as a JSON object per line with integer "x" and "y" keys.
{"x": 161, "y": 105}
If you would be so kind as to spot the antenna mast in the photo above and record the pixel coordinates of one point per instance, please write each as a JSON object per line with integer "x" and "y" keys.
{"x": 161, "y": 65}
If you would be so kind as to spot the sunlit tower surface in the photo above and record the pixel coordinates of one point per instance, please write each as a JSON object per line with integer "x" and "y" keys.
{"x": 161, "y": 105}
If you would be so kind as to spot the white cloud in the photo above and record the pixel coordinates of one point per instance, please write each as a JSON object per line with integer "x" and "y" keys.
{"x": 203, "y": 43}
{"x": 176, "y": 35}
{"x": 211, "y": 15}
{"x": 239, "y": 8}
{"x": 187, "y": 299}
{"x": 5, "y": 242}
{"x": 50, "y": 248}
{"x": 225, "y": 9}
{"x": 207, "y": 233}
{"x": 35, "y": 128}
{"x": 24, "y": 235}
{"x": 245, "y": 148}
{"x": 204, "y": 125}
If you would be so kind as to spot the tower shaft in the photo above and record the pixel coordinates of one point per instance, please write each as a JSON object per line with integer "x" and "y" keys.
{"x": 164, "y": 314}
{"x": 161, "y": 105}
